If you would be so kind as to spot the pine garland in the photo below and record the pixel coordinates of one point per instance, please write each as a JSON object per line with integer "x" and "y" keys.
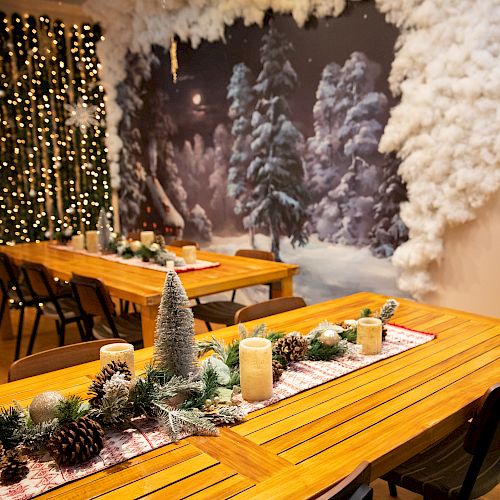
{"x": 11, "y": 422}
{"x": 70, "y": 409}
{"x": 387, "y": 310}
{"x": 177, "y": 422}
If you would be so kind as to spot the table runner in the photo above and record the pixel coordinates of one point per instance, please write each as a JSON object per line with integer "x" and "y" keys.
{"x": 136, "y": 262}
{"x": 145, "y": 434}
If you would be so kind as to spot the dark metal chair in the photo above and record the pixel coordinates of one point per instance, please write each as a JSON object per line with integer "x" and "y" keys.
{"x": 356, "y": 486}
{"x": 94, "y": 301}
{"x": 223, "y": 311}
{"x": 465, "y": 464}
{"x": 14, "y": 294}
{"x": 53, "y": 300}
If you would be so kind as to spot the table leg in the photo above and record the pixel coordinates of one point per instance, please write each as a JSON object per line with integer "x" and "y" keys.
{"x": 283, "y": 288}
{"x": 6, "y": 325}
{"x": 148, "y": 319}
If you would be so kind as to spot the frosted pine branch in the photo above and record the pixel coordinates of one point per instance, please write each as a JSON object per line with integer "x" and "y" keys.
{"x": 388, "y": 309}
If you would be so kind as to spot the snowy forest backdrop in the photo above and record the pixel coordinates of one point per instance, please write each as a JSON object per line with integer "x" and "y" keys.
{"x": 270, "y": 139}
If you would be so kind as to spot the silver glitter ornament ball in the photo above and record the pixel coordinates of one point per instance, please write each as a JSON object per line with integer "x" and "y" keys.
{"x": 330, "y": 337}
{"x": 43, "y": 407}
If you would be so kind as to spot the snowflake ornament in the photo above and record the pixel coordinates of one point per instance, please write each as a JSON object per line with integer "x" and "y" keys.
{"x": 82, "y": 115}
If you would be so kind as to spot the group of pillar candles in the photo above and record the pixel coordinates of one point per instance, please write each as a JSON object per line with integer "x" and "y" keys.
{"x": 91, "y": 242}
{"x": 256, "y": 373}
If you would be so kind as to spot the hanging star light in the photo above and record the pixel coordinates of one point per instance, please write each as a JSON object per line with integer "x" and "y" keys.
{"x": 82, "y": 115}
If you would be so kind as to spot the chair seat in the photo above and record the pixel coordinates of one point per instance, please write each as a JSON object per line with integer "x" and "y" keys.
{"x": 221, "y": 312}
{"x": 16, "y": 300}
{"x": 68, "y": 306}
{"x": 439, "y": 471}
{"x": 129, "y": 328}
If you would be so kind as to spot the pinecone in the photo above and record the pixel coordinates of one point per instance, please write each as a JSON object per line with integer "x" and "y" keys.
{"x": 160, "y": 239}
{"x": 97, "y": 386}
{"x": 14, "y": 467}
{"x": 76, "y": 442}
{"x": 292, "y": 348}
{"x": 384, "y": 332}
{"x": 277, "y": 370}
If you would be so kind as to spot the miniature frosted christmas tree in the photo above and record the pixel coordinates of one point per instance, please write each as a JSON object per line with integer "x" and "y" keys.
{"x": 174, "y": 349}
{"x": 104, "y": 230}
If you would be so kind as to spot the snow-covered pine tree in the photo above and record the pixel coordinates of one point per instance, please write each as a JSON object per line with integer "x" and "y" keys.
{"x": 132, "y": 172}
{"x": 220, "y": 203}
{"x": 104, "y": 230}
{"x": 345, "y": 212}
{"x": 241, "y": 96}
{"x": 279, "y": 200}
{"x": 388, "y": 231}
{"x": 174, "y": 346}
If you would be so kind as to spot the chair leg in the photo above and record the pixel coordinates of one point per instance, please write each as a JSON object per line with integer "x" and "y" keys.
{"x": 209, "y": 326}
{"x": 83, "y": 335}
{"x": 3, "y": 307}
{"x": 393, "y": 490}
{"x": 19, "y": 333}
{"x": 34, "y": 332}
{"x": 61, "y": 330}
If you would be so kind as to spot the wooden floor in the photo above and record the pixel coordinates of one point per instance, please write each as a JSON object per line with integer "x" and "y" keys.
{"x": 47, "y": 339}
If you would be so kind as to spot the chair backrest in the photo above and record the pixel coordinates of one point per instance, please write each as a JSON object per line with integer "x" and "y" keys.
{"x": 58, "y": 358}
{"x": 483, "y": 434}
{"x": 39, "y": 281}
{"x": 183, "y": 243}
{"x": 268, "y": 308}
{"x": 92, "y": 296}
{"x": 8, "y": 274}
{"x": 255, "y": 254}
{"x": 355, "y": 486}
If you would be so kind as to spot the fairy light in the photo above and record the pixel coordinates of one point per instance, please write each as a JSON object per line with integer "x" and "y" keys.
{"x": 52, "y": 175}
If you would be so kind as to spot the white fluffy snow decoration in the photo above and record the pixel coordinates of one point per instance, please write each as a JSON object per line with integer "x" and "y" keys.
{"x": 447, "y": 70}
{"x": 446, "y": 128}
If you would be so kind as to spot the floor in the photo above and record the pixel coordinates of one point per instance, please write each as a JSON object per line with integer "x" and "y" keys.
{"x": 47, "y": 339}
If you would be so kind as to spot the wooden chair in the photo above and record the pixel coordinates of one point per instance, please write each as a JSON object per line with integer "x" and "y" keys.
{"x": 94, "y": 301}
{"x": 268, "y": 308}
{"x": 356, "y": 486}
{"x": 52, "y": 300}
{"x": 223, "y": 311}
{"x": 15, "y": 294}
{"x": 57, "y": 359}
{"x": 465, "y": 464}
{"x": 183, "y": 243}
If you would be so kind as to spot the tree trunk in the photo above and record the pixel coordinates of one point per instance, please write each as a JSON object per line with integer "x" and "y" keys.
{"x": 275, "y": 240}
{"x": 251, "y": 232}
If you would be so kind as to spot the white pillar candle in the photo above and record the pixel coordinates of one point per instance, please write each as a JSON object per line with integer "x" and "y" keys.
{"x": 170, "y": 265}
{"x": 92, "y": 238}
{"x": 77, "y": 242}
{"x": 369, "y": 335}
{"x": 256, "y": 371}
{"x": 189, "y": 254}
{"x": 118, "y": 352}
{"x": 147, "y": 237}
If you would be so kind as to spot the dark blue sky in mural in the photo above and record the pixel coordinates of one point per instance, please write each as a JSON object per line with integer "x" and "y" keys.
{"x": 198, "y": 99}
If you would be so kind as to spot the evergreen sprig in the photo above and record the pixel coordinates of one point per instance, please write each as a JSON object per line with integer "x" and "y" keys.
{"x": 36, "y": 436}
{"x": 321, "y": 352}
{"x": 178, "y": 422}
{"x": 210, "y": 385}
{"x": 11, "y": 421}
{"x": 350, "y": 334}
{"x": 365, "y": 312}
{"x": 71, "y": 408}
{"x": 226, "y": 415}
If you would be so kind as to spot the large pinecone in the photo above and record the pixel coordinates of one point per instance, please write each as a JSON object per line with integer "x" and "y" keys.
{"x": 14, "y": 467}
{"x": 97, "y": 386}
{"x": 76, "y": 442}
{"x": 292, "y": 348}
{"x": 277, "y": 370}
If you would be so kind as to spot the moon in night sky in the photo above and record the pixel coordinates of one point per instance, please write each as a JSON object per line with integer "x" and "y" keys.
{"x": 196, "y": 99}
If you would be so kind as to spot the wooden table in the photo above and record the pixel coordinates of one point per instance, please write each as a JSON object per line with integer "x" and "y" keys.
{"x": 296, "y": 448}
{"x": 144, "y": 286}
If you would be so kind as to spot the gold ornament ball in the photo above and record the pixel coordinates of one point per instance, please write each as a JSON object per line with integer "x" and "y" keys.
{"x": 330, "y": 337}
{"x": 43, "y": 406}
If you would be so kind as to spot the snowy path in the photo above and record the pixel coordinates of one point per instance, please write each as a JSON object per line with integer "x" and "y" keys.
{"x": 327, "y": 271}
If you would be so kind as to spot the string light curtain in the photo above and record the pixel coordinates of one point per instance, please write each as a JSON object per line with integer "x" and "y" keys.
{"x": 53, "y": 171}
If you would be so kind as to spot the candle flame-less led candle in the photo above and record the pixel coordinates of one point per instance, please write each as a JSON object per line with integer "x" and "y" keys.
{"x": 170, "y": 265}
{"x": 118, "y": 352}
{"x": 256, "y": 371}
{"x": 77, "y": 242}
{"x": 92, "y": 238}
{"x": 147, "y": 237}
{"x": 189, "y": 254}
{"x": 369, "y": 335}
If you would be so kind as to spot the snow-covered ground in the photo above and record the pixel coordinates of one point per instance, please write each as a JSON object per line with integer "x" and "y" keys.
{"x": 327, "y": 271}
